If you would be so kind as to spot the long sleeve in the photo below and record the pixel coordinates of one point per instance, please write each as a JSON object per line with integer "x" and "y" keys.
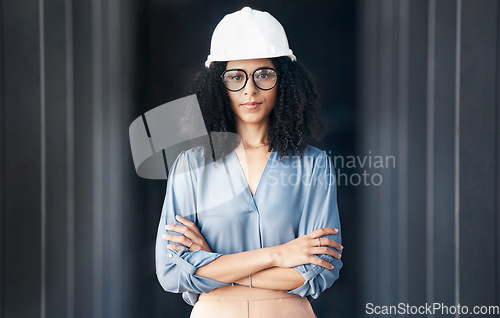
{"x": 320, "y": 211}
{"x": 175, "y": 269}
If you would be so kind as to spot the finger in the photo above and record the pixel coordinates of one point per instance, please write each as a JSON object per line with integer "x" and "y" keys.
{"x": 177, "y": 239}
{"x": 323, "y": 232}
{"x": 175, "y": 247}
{"x": 176, "y": 228}
{"x": 190, "y": 225}
{"x": 320, "y": 262}
{"x": 326, "y": 250}
{"x": 319, "y": 241}
{"x": 329, "y": 242}
{"x": 182, "y": 229}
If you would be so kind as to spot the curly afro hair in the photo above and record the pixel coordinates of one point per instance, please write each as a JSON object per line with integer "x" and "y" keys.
{"x": 293, "y": 123}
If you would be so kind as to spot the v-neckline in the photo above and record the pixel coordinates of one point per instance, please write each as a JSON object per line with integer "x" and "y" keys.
{"x": 242, "y": 173}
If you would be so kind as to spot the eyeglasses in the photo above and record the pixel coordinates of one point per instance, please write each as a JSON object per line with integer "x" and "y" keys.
{"x": 264, "y": 78}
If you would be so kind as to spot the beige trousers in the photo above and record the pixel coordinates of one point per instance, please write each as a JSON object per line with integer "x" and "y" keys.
{"x": 245, "y": 302}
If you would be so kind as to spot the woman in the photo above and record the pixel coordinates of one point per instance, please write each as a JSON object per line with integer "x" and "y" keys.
{"x": 260, "y": 232}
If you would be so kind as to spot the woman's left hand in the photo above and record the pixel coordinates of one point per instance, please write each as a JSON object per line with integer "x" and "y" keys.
{"x": 191, "y": 238}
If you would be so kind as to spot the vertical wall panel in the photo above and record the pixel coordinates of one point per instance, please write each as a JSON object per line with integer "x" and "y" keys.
{"x": 385, "y": 123}
{"x": 368, "y": 83}
{"x": 22, "y": 165}
{"x": 444, "y": 58}
{"x": 443, "y": 148}
{"x": 417, "y": 127}
{"x": 56, "y": 160}
{"x": 395, "y": 40}
{"x": 497, "y": 165}
{"x": 70, "y": 155}
{"x": 389, "y": 171}
{"x": 2, "y": 169}
{"x": 401, "y": 154}
{"x": 84, "y": 213}
{"x": 115, "y": 126}
{"x": 64, "y": 144}
{"x": 477, "y": 150}
{"x": 99, "y": 142}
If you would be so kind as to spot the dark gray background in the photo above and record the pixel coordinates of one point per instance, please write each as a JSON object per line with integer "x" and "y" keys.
{"x": 415, "y": 79}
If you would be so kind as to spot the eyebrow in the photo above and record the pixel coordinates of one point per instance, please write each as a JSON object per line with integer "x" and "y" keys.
{"x": 241, "y": 68}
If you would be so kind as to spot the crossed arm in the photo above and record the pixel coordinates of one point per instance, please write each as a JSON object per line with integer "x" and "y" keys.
{"x": 270, "y": 267}
{"x": 278, "y": 278}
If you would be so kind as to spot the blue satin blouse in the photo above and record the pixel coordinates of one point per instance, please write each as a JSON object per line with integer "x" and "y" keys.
{"x": 293, "y": 198}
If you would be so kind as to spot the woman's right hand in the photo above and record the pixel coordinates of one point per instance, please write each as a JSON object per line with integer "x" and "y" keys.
{"x": 302, "y": 250}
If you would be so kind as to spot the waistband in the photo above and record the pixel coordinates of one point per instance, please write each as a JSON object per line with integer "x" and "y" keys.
{"x": 238, "y": 292}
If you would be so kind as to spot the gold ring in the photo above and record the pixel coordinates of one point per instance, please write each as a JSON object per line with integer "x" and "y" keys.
{"x": 319, "y": 242}
{"x": 190, "y": 245}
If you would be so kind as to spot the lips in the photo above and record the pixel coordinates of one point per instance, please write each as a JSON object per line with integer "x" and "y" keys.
{"x": 251, "y": 106}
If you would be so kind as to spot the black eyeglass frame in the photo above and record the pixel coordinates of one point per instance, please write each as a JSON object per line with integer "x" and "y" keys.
{"x": 253, "y": 78}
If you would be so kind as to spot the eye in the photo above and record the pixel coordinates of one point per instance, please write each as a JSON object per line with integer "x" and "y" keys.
{"x": 234, "y": 76}
{"x": 264, "y": 75}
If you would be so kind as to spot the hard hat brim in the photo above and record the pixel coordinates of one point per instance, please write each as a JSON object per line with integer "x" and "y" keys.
{"x": 214, "y": 58}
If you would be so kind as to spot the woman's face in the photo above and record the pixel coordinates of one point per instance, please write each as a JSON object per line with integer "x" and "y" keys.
{"x": 241, "y": 101}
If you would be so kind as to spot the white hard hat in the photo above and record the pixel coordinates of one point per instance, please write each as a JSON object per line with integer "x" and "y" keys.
{"x": 248, "y": 34}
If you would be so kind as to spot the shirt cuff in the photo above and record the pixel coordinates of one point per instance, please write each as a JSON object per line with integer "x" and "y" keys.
{"x": 309, "y": 272}
{"x": 175, "y": 270}
{"x": 190, "y": 261}
{"x": 190, "y": 298}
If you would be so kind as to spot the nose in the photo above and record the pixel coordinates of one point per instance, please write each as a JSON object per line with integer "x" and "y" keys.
{"x": 250, "y": 88}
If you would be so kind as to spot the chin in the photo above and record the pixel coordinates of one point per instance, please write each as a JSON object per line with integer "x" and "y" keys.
{"x": 250, "y": 116}
{"x": 251, "y": 119}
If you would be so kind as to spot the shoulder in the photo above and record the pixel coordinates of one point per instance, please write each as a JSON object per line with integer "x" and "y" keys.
{"x": 319, "y": 165}
{"x": 313, "y": 152}
{"x": 195, "y": 153}
{"x": 319, "y": 160}
{"x": 311, "y": 159}
{"x": 192, "y": 158}
{"x": 312, "y": 155}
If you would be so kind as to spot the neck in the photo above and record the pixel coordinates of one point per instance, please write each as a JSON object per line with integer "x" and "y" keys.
{"x": 252, "y": 134}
